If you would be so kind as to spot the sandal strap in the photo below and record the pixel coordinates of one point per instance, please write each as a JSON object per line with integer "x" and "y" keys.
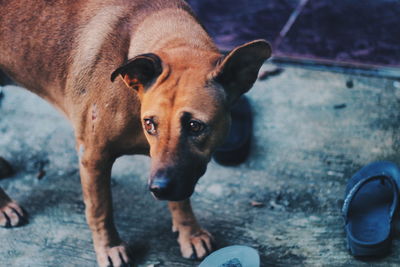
{"x": 359, "y": 184}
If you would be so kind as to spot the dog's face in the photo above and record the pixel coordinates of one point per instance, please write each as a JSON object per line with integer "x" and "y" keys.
{"x": 184, "y": 120}
{"x": 185, "y": 109}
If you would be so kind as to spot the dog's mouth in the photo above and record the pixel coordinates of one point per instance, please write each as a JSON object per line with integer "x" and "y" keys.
{"x": 179, "y": 197}
{"x": 175, "y": 193}
{"x": 173, "y": 186}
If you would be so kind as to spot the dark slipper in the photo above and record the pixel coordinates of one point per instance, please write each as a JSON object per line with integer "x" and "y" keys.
{"x": 369, "y": 207}
{"x": 236, "y": 147}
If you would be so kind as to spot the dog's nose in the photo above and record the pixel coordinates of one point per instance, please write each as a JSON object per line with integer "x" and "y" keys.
{"x": 160, "y": 187}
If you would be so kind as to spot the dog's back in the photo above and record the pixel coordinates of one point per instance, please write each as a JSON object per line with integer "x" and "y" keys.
{"x": 50, "y": 47}
{"x": 35, "y": 41}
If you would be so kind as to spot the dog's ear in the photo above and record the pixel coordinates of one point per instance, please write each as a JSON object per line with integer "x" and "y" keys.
{"x": 238, "y": 71}
{"x": 139, "y": 71}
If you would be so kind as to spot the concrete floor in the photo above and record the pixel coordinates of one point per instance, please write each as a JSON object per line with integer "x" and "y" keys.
{"x": 311, "y": 133}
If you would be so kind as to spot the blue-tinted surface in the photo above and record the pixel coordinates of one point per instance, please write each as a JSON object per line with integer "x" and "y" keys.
{"x": 232, "y": 23}
{"x": 347, "y": 30}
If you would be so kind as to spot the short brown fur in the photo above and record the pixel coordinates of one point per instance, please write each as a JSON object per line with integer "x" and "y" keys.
{"x": 66, "y": 51}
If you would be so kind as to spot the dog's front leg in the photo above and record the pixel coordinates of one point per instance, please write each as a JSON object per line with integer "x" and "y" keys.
{"x": 195, "y": 242}
{"x": 95, "y": 170}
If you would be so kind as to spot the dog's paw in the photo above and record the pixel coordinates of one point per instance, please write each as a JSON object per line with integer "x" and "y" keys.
{"x": 196, "y": 246}
{"x": 117, "y": 256}
{"x": 12, "y": 215}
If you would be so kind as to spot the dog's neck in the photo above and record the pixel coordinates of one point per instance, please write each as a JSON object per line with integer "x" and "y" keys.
{"x": 183, "y": 32}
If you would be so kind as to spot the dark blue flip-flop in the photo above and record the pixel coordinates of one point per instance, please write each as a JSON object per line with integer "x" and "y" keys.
{"x": 236, "y": 147}
{"x": 369, "y": 207}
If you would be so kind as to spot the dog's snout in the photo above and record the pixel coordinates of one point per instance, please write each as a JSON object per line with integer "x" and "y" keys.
{"x": 173, "y": 183}
{"x": 160, "y": 186}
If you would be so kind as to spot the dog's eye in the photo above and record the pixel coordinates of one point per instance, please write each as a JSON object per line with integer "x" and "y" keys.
{"x": 195, "y": 127}
{"x": 150, "y": 126}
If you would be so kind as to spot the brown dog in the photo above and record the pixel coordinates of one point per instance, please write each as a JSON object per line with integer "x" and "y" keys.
{"x": 133, "y": 77}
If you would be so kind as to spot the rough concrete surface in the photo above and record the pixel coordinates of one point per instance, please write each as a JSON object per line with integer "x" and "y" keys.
{"x": 312, "y": 130}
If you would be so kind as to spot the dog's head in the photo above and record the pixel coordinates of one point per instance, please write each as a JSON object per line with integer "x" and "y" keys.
{"x": 185, "y": 102}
